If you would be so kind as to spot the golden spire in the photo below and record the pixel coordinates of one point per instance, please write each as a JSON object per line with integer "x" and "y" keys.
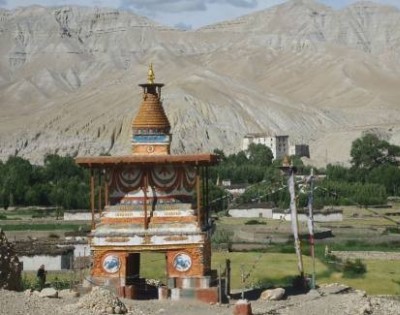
{"x": 150, "y": 75}
{"x": 286, "y": 161}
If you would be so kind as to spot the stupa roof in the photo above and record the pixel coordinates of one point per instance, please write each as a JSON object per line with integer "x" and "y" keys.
{"x": 151, "y": 113}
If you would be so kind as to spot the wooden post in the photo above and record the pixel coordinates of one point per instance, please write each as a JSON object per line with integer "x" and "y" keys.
{"x": 92, "y": 196}
{"x": 99, "y": 198}
{"x": 228, "y": 277}
{"x": 206, "y": 196}
{"x": 219, "y": 285}
{"x": 105, "y": 189}
{"x": 145, "y": 199}
{"x": 198, "y": 193}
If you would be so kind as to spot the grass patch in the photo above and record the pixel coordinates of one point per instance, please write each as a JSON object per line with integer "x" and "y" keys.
{"x": 153, "y": 266}
{"x": 270, "y": 269}
{"x": 382, "y": 277}
{"x": 42, "y": 227}
{"x": 31, "y": 212}
{"x": 59, "y": 280}
{"x": 222, "y": 236}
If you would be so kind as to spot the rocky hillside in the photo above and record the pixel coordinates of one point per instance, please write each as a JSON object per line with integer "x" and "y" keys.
{"x": 68, "y": 78}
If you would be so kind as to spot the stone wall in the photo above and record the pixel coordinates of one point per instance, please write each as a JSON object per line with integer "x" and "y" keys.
{"x": 271, "y": 214}
{"x": 251, "y": 213}
{"x": 364, "y": 255}
{"x": 332, "y": 217}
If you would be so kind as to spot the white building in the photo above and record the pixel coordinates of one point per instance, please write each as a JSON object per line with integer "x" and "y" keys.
{"x": 279, "y": 145}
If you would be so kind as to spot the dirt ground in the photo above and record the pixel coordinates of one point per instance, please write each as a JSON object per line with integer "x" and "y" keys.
{"x": 329, "y": 299}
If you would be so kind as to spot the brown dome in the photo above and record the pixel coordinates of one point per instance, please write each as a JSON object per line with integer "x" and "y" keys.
{"x": 151, "y": 114}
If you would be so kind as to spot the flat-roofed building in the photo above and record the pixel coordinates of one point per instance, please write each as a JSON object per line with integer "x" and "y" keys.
{"x": 279, "y": 144}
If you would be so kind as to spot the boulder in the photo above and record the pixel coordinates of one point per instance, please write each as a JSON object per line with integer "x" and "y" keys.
{"x": 48, "y": 293}
{"x": 273, "y": 294}
{"x": 67, "y": 293}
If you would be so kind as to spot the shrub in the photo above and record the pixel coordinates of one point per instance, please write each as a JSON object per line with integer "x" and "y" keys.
{"x": 54, "y": 236}
{"x": 254, "y": 222}
{"x": 60, "y": 284}
{"x": 354, "y": 268}
{"x": 3, "y": 217}
{"x": 29, "y": 283}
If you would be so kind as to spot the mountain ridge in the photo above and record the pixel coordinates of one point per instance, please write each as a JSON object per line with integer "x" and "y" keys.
{"x": 68, "y": 79}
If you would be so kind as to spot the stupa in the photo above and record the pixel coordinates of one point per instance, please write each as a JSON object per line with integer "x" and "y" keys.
{"x": 153, "y": 202}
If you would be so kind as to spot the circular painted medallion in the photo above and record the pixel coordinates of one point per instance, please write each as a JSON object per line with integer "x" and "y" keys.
{"x": 150, "y": 149}
{"x": 111, "y": 264}
{"x": 182, "y": 262}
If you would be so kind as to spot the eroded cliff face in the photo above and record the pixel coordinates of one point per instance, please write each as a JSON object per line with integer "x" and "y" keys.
{"x": 68, "y": 78}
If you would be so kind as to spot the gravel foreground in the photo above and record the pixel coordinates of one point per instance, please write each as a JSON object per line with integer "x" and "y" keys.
{"x": 331, "y": 299}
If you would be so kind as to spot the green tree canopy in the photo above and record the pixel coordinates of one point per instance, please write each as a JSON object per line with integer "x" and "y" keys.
{"x": 369, "y": 152}
{"x": 259, "y": 154}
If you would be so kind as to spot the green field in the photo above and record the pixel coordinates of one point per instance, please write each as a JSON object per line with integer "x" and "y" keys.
{"x": 277, "y": 264}
{"x": 382, "y": 277}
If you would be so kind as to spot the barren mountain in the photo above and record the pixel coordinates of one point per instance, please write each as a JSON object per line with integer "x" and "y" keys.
{"x": 68, "y": 78}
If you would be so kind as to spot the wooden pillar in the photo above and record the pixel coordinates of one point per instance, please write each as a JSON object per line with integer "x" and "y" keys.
{"x": 227, "y": 277}
{"x": 105, "y": 188}
{"x": 92, "y": 195}
{"x": 198, "y": 193}
{"x": 99, "y": 197}
{"x": 145, "y": 199}
{"x": 206, "y": 196}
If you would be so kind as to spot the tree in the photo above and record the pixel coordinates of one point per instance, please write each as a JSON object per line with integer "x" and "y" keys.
{"x": 16, "y": 180}
{"x": 221, "y": 154}
{"x": 240, "y": 158}
{"x": 369, "y": 152}
{"x": 259, "y": 154}
{"x": 337, "y": 172}
{"x": 387, "y": 175}
{"x": 57, "y": 167}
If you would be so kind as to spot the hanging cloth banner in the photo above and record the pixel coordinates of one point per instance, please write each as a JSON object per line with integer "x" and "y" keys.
{"x": 293, "y": 215}
{"x": 310, "y": 221}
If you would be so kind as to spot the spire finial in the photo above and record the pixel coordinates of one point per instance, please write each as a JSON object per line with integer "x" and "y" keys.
{"x": 286, "y": 161}
{"x": 150, "y": 74}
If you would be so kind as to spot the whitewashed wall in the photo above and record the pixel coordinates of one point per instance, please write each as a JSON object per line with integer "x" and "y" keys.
{"x": 33, "y": 263}
{"x": 59, "y": 262}
{"x": 80, "y": 216}
{"x": 251, "y": 213}
{"x": 81, "y": 250}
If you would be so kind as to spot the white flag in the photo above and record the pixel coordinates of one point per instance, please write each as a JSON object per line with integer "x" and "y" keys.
{"x": 293, "y": 214}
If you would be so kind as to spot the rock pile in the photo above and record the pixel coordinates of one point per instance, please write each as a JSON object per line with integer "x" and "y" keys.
{"x": 10, "y": 267}
{"x": 102, "y": 301}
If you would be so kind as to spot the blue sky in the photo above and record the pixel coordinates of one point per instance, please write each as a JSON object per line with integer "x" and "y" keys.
{"x": 183, "y": 13}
